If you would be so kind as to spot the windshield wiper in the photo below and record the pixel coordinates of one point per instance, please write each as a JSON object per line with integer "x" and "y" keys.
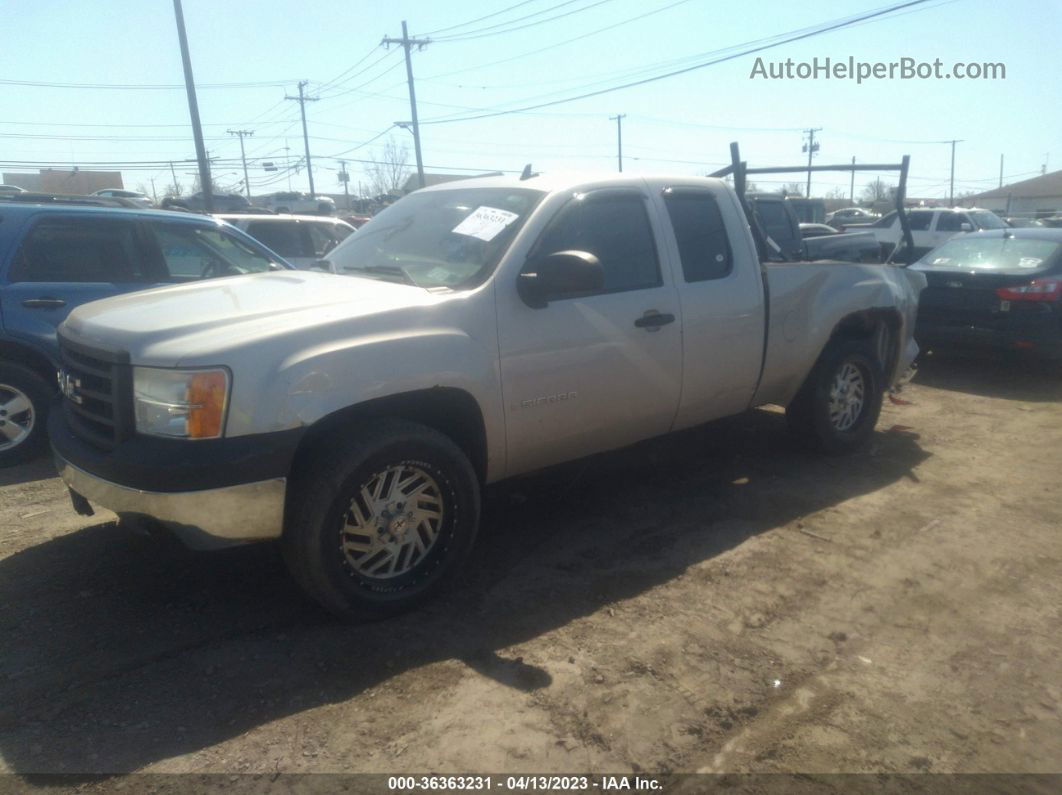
{"x": 383, "y": 270}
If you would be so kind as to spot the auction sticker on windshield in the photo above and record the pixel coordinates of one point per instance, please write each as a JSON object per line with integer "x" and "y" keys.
{"x": 485, "y": 223}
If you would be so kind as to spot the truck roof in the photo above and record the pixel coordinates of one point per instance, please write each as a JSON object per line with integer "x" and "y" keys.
{"x": 566, "y": 180}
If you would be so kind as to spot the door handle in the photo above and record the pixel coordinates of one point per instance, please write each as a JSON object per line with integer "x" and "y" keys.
{"x": 43, "y": 303}
{"x": 653, "y": 320}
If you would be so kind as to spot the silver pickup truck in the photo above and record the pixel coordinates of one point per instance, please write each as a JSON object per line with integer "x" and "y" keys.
{"x": 471, "y": 332}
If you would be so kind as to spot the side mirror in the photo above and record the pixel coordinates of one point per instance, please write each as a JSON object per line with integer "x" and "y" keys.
{"x": 559, "y": 274}
{"x": 966, "y": 227}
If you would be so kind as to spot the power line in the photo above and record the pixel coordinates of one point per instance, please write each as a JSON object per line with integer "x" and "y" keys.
{"x": 492, "y": 30}
{"x": 829, "y": 27}
{"x": 142, "y": 86}
{"x": 480, "y": 19}
{"x": 560, "y": 43}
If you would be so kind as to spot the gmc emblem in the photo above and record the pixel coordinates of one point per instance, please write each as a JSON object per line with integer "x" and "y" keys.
{"x": 69, "y": 386}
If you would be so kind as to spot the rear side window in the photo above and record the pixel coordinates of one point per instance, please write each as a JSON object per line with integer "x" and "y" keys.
{"x": 951, "y": 222}
{"x": 283, "y": 237}
{"x": 919, "y": 221}
{"x": 704, "y": 247}
{"x": 614, "y": 228}
{"x": 88, "y": 249}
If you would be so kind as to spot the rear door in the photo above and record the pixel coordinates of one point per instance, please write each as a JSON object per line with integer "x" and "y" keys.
{"x": 721, "y": 295}
{"x": 64, "y": 261}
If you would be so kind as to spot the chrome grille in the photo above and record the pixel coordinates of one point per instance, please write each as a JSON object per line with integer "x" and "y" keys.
{"x": 97, "y": 393}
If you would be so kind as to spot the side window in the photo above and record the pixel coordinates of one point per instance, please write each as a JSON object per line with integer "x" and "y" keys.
{"x": 322, "y": 238}
{"x": 85, "y": 249}
{"x": 919, "y": 220}
{"x": 704, "y": 247}
{"x": 192, "y": 253}
{"x": 283, "y": 237}
{"x": 614, "y": 228}
{"x": 951, "y": 222}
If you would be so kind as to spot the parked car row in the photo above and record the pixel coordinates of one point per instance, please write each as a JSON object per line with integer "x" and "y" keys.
{"x": 56, "y": 257}
{"x": 140, "y": 375}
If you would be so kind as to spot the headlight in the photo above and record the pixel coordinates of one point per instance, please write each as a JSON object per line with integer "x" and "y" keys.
{"x": 188, "y": 404}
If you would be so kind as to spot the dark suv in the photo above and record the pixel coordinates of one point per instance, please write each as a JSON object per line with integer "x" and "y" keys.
{"x": 223, "y": 203}
{"x": 55, "y": 257}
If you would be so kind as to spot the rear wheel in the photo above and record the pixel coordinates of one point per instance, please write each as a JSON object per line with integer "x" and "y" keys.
{"x": 838, "y": 406}
{"x": 24, "y": 398}
{"x": 382, "y": 519}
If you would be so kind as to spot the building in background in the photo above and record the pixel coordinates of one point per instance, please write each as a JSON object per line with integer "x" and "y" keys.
{"x": 49, "y": 180}
{"x": 1038, "y": 197}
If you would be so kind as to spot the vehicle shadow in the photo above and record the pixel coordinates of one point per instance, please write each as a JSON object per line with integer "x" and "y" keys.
{"x": 121, "y": 652}
{"x": 41, "y": 468}
{"x": 997, "y": 375}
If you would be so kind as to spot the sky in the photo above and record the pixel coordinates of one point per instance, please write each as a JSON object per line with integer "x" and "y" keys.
{"x": 494, "y": 55}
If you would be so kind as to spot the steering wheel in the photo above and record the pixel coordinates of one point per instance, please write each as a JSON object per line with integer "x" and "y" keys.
{"x": 214, "y": 267}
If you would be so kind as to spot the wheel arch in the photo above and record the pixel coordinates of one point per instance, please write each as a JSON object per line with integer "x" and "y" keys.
{"x": 30, "y": 358}
{"x": 882, "y": 326}
{"x": 449, "y": 410}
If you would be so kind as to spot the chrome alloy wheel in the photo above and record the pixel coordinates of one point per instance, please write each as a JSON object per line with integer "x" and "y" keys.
{"x": 17, "y": 417}
{"x": 847, "y": 397}
{"x": 392, "y": 522}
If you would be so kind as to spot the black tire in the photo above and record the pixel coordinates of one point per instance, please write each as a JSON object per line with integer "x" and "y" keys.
{"x": 809, "y": 413}
{"x": 16, "y": 380}
{"x": 322, "y": 508}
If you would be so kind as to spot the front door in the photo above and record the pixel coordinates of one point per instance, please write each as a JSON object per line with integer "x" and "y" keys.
{"x": 595, "y": 372}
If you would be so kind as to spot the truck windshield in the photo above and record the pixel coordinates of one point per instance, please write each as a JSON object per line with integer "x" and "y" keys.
{"x": 448, "y": 238}
{"x": 972, "y": 252}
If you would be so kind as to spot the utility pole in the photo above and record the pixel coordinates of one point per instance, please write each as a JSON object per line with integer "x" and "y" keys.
{"x": 154, "y": 196}
{"x": 408, "y": 44}
{"x": 193, "y": 110}
{"x": 618, "y": 118}
{"x": 1001, "y": 171}
{"x": 851, "y": 186}
{"x": 344, "y": 177}
{"x": 811, "y": 148}
{"x": 302, "y": 99}
{"x": 173, "y": 173}
{"x": 951, "y": 187}
{"x": 246, "y": 180}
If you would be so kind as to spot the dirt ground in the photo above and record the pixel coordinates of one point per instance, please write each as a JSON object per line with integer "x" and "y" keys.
{"x": 719, "y": 600}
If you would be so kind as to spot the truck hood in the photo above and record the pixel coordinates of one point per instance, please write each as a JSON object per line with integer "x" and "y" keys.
{"x": 168, "y": 325}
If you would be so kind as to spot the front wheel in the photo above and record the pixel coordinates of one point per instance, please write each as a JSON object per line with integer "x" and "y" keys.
{"x": 24, "y": 399}
{"x": 838, "y": 406}
{"x": 382, "y": 519}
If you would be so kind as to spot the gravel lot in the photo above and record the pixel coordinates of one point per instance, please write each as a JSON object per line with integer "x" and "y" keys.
{"x": 718, "y": 600}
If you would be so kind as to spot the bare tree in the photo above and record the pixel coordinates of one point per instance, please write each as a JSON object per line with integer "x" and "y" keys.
{"x": 836, "y": 193}
{"x": 793, "y": 189}
{"x": 877, "y": 191}
{"x": 389, "y": 171}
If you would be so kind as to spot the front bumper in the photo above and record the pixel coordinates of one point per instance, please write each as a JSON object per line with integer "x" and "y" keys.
{"x": 210, "y": 493}
{"x": 204, "y": 519}
{"x": 1038, "y": 338}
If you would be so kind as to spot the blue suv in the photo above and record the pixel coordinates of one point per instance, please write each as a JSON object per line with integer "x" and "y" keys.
{"x": 55, "y": 257}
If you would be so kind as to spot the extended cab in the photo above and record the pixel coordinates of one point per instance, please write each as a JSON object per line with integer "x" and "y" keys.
{"x": 472, "y": 331}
